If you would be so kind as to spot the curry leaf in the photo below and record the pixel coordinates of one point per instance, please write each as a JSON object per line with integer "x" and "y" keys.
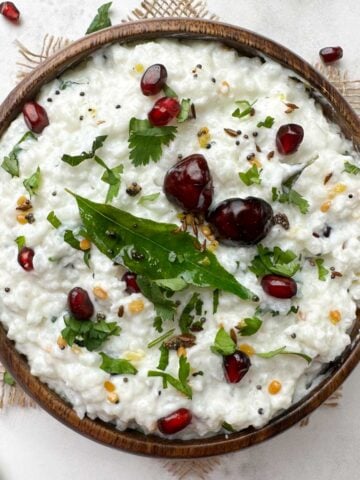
{"x": 101, "y": 20}
{"x": 144, "y": 247}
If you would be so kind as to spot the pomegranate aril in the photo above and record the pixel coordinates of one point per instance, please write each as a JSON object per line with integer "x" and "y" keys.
{"x": 278, "y": 286}
{"x": 163, "y": 111}
{"x": 188, "y": 184}
{"x": 131, "y": 284}
{"x": 238, "y": 221}
{"x": 331, "y": 54}
{"x": 25, "y": 258}
{"x": 9, "y": 10}
{"x": 288, "y": 138}
{"x": 153, "y": 79}
{"x": 80, "y": 304}
{"x": 236, "y": 366}
{"x": 174, "y": 422}
{"x": 35, "y": 117}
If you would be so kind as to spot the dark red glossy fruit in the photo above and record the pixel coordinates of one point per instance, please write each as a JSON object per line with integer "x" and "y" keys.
{"x": 288, "y": 138}
{"x": 163, "y": 111}
{"x": 238, "y": 221}
{"x": 131, "y": 284}
{"x": 9, "y": 10}
{"x": 25, "y": 258}
{"x": 188, "y": 184}
{"x": 331, "y": 54}
{"x": 236, "y": 366}
{"x": 279, "y": 287}
{"x": 153, "y": 79}
{"x": 80, "y": 304}
{"x": 174, "y": 422}
{"x": 35, "y": 117}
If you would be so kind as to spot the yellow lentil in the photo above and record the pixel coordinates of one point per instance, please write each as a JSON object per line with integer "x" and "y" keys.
{"x": 21, "y": 219}
{"x": 113, "y": 397}
{"x": 136, "y": 306}
{"x": 334, "y": 316}
{"x": 246, "y": 348}
{"x": 109, "y": 386}
{"x": 100, "y": 293}
{"x": 85, "y": 244}
{"x": 325, "y": 206}
{"x": 62, "y": 343}
{"x": 274, "y": 387}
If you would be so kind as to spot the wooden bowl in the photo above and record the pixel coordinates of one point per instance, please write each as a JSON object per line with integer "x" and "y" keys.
{"x": 335, "y": 107}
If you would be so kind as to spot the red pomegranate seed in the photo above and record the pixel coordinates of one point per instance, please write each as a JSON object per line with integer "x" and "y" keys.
{"x": 188, "y": 184}
{"x": 80, "y": 304}
{"x": 236, "y": 366}
{"x": 153, "y": 79}
{"x": 279, "y": 287}
{"x": 175, "y": 422}
{"x": 241, "y": 221}
{"x": 288, "y": 138}
{"x": 331, "y": 54}
{"x": 35, "y": 117}
{"x": 25, "y": 258}
{"x": 164, "y": 110}
{"x": 131, "y": 284}
{"x": 9, "y": 11}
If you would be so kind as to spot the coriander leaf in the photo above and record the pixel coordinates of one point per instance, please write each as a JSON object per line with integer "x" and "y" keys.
{"x": 145, "y": 249}
{"x": 75, "y": 160}
{"x": 249, "y": 326}
{"x": 88, "y": 334}
{"x": 32, "y": 183}
{"x": 116, "y": 366}
{"x": 161, "y": 339}
{"x": 267, "y": 123}
{"x": 275, "y": 261}
{"x": 291, "y": 196}
{"x": 87, "y": 256}
{"x": 63, "y": 84}
{"x": 216, "y": 295}
{"x": 157, "y": 324}
{"x": 101, "y": 20}
{"x": 53, "y": 220}
{"x": 251, "y": 176}
{"x": 165, "y": 308}
{"x": 185, "y": 108}
{"x": 228, "y": 427}
{"x": 146, "y": 141}
{"x": 173, "y": 284}
{"x": 351, "y": 168}
{"x": 169, "y": 92}
{"x": 180, "y": 384}
{"x": 8, "y": 379}
{"x": 149, "y": 198}
{"x": 246, "y": 108}
{"x": 186, "y": 318}
{"x": 322, "y": 271}
{"x": 21, "y": 242}
{"x": 223, "y": 343}
{"x": 113, "y": 178}
{"x": 281, "y": 351}
{"x": 293, "y": 309}
{"x": 164, "y": 358}
{"x": 11, "y": 163}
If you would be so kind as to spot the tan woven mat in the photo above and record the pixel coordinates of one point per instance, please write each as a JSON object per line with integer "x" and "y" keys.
{"x": 350, "y": 89}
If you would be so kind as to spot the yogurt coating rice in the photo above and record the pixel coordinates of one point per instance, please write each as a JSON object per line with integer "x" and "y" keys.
{"x": 99, "y": 97}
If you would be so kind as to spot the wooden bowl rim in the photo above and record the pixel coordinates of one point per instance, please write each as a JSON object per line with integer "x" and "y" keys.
{"x": 105, "y": 433}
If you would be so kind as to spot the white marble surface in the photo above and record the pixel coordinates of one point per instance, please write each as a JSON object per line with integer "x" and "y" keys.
{"x": 33, "y": 446}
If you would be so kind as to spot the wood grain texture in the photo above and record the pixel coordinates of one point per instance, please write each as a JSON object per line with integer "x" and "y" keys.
{"x": 335, "y": 107}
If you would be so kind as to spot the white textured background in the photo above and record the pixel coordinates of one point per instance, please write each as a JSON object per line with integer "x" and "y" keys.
{"x": 33, "y": 446}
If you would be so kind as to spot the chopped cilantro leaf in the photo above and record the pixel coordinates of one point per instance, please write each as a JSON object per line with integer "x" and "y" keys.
{"x": 322, "y": 271}
{"x": 244, "y": 108}
{"x": 223, "y": 343}
{"x": 21, "y": 242}
{"x": 180, "y": 384}
{"x": 351, "y": 168}
{"x": 146, "y": 141}
{"x": 275, "y": 261}
{"x": 169, "y": 92}
{"x": 75, "y": 160}
{"x": 251, "y": 176}
{"x": 32, "y": 183}
{"x": 267, "y": 123}
{"x": 101, "y": 19}
{"x": 53, "y": 220}
{"x": 11, "y": 162}
{"x": 288, "y": 195}
{"x": 185, "y": 110}
{"x": 148, "y": 198}
{"x": 282, "y": 351}
{"x": 116, "y": 366}
{"x": 164, "y": 358}
{"x": 8, "y": 379}
{"x": 249, "y": 326}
